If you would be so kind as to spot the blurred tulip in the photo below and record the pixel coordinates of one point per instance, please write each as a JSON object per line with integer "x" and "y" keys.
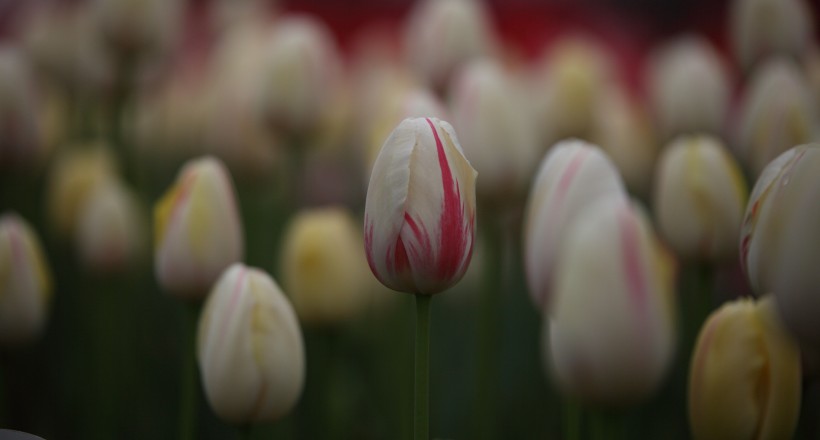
{"x": 419, "y": 221}
{"x": 780, "y": 239}
{"x": 324, "y": 269}
{"x": 138, "y": 27}
{"x": 443, "y": 35}
{"x": 496, "y": 137}
{"x": 197, "y": 230}
{"x": 22, "y": 139}
{"x": 73, "y": 176}
{"x": 25, "y": 282}
{"x": 699, "y": 198}
{"x": 611, "y": 334}
{"x": 689, "y": 87}
{"x": 571, "y": 176}
{"x": 761, "y": 28}
{"x": 250, "y": 348}
{"x": 744, "y": 381}
{"x": 110, "y": 231}
{"x": 777, "y": 113}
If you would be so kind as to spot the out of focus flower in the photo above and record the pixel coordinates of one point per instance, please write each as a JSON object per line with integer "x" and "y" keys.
{"x": 73, "y": 175}
{"x": 573, "y": 175}
{"x": 699, "y": 198}
{"x": 22, "y": 139}
{"x": 777, "y": 113}
{"x": 25, "y": 282}
{"x": 197, "y": 230}
{"x": 744, "y": 381}
{"x": 324, "y": 269}
{"x": 443, "y": 35}
{"x": 780, "y": 239}
{"x": 498, "y": 140}
{"x": 419, "y": 223}
{"x": 689, "y": 87}
{"x": 250, "y": 348}
{"x": 761, "y": 28}
{"x": 611, "y": 335}
{"x": 138, "y": 27}
{"x": 110, "y": 231}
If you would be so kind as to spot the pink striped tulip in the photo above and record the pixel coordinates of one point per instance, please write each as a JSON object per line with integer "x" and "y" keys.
{"x": 420, "y": 212}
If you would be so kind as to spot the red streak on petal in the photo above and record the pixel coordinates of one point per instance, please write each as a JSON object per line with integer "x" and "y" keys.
{"x": 636, "y": 282}
{"x": 401, "y": 263}
{"x": 569, "y": 174}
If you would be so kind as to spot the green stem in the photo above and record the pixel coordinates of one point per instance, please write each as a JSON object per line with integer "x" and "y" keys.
{"x": 246, "y": 432}
{"x": 572, "y": 421}
{"x": 607, "y": 425}
{"x": 421, "y": 419}
{"x": 187, "y": 415}
{"x": 121, "y": 96}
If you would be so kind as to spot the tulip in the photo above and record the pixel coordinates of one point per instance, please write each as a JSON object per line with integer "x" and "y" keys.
{"x": 744, "y": 380}
{"x": 249, "y": 348}
{"x": 324, "y": 269}
{"x": 611, "y": 333}
{"x": 780, "y": 239}
{"x": 197, "y": 230}
{"x": 761, "y": 28}
{"x": 19, "y": 111}
{"x": 699, "y": 198}
{"x": 689, "y": 88}
{"x": 777, "y": 113}
{"x": 419, "y": 221}
{"x": 573, "y": 175}
{"x": 498, "y": 141}
{"x": 138, "y": 27}
{"x": 25, "y": 282}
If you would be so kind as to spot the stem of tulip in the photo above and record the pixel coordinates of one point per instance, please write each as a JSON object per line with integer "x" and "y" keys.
{"x": 246, "y": 432}
{"x": 572, "y": 421}
{"x": 187, "y": 407}
{"x": 421, "y": 422}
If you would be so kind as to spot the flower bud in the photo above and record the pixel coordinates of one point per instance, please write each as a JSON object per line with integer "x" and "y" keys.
{"x": 250, "y": 348}
{"x": 22, "y": 141}
{"x": 744, "y": 381}
{"x": 496, "y": 138}
{"x": 777, "y": 113}
{"x": 572, "y": 175}
{"x": 611, "y": 333}
{"x": 25, "y": 282}
{"x": 780, "y": 239}
{"x": 141, "y": 27}
{"x": 699, "y": 198}
{"x": 324, "y": 269}
{"x": 419, "y": 223}
{"x": 761, "y": 28}
{"x": 197, "y": 229}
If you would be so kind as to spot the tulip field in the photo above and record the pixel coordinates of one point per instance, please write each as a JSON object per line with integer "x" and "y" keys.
{"x": 420, "y": 219}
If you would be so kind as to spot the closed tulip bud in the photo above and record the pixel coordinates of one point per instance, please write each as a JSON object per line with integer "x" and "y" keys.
{"x": 138, "y": 27}
{"x": 110, "y": 228}
{"x": 780, "y": 239}
{"x": 25, "y": 282}
{"x": 573, "y": 175}
{"x": 197, "y": 230}
{"x": 498, "y": 141}
{"x": 689, "y": 87}
{"x": 777, "y": 113}
{"x": 250, "y": 348}
{"x": 699, "y": 198}
{"x": 744, "y": 381}
{"x": 761, "y": 28}
{"x": 324, "y": 269}
{"x": 419, "y": 223}
{"x": 611, "y": 333}
{"x": 22, "y": 141}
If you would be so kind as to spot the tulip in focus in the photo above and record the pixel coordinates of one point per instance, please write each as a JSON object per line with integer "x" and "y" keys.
{"x": 419, "y": 221}
{"x": 762, "y": 28}
{"x": 611, "y": 335}
{"x": 25, "y": 282}
{"x": 780, "y": 239}
{"x": 250, "y": 348}
{"x": 699, "y": 198}
{"x": 744, "y": 381}
{"x": 573, "y": 175}
{"x": 197, "y": 230}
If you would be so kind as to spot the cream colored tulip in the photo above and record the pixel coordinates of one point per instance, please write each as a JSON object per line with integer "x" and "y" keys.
{"x": 699, "y": 198}
{"x": 610, "y": 338}
{"x": 744, "y": 380}
{"x": 573, "y": 175}
{"x": 25, "y": 282}
{"x": 250, "y": 348}
{"x": 419, "y": 224}
{"x": 762, "y": 28}
{"x": 197, "y": 229}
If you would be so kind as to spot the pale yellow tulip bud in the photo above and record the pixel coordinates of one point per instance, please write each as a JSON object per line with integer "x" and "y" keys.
{"x": 250, "y": 348}
{"x": 744, "y": 380}
{"x": 699, "y": 198}
{"x": 197, "y": 229}
{"x": 25, "y": 282}
{"x": 762, "y": 28}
